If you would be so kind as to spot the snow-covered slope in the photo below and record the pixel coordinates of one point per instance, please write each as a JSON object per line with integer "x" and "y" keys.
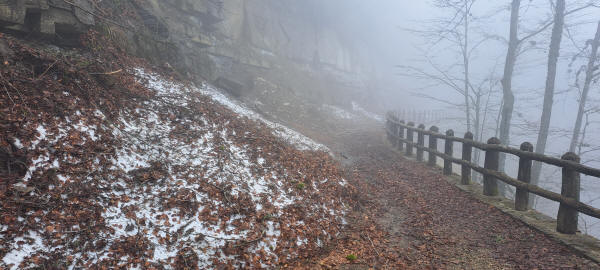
{"x": 186, "y": 177}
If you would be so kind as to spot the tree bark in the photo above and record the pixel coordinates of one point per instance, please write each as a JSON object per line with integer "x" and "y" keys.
{"x": 553, "y": 54}
{"x": 466, "y": 64}
{"x": 477, "y": 128}
{"x": 589, "y": 75}
{"x": 508, "y": 98}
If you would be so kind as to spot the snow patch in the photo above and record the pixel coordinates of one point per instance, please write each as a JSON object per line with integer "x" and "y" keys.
{"x": 357, "y": 108}
{"x": 177, "y": 183}
{"x": 164, "y": 87}
{"x": 18, "y": 143}
{"x": 339, "y": 112}
{"x": 32, "y": 244}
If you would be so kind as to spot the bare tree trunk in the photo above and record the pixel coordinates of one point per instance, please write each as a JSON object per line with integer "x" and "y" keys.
{"x": 589, "y": 75}
{"x": 480, "y": 132}
{"x": 477, "y": 124}
{"x": 540, "y": 148}
{"x": 498, "y": 116}
{"x": 508, "y": 99}
{"x": 476, "y": 127}
{"x": 466, "y": 64}
{"x": 583, "y": 132}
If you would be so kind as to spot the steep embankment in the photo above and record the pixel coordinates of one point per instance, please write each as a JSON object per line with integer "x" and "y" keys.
{"x": 107, "y": 164}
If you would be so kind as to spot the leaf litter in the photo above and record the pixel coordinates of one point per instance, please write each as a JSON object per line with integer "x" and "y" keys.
{"x": 133, "y": 169}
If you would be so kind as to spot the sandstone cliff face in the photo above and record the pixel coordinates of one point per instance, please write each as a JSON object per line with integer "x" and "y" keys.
{"x": 259, "y": 33}
{"x": 50, "y": 17}
{"x": 282, "y": 41}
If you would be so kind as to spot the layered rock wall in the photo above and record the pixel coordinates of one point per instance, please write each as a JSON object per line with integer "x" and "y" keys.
{"x": 283, "y": 41}
{"x": 50, "y": 17}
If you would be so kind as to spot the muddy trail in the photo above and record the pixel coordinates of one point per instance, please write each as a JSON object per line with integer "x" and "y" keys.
{"x": 410, "y": 217}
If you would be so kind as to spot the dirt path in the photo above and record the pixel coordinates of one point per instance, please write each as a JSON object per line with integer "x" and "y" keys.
{"x": 410, "y": 217}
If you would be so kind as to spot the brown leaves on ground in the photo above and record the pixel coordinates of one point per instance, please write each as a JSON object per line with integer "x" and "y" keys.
{"x": 93, "y": 87}
{"x": 423, "y": 222}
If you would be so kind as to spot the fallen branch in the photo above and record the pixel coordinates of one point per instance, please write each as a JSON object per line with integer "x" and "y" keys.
{"x": 45, "y": 71}
{"x": 373, "y": 245}
{"x": 108, "y": 73}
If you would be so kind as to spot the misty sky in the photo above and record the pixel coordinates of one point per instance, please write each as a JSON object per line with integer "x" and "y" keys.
{"x": 379, "y": 27}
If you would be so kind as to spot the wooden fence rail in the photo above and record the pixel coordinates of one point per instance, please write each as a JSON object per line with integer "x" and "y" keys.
{"x": 570, "y": 205}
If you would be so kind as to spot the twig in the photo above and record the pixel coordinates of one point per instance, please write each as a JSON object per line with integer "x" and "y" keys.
{"x": 247, "y": 242}
{"x": 98, "y": 16}
{"x": 108, "y": 73}
{"x": 375, "y": 249}
{"x": 221, "y": 238}
{"x": 46, "y": 71}
{"x": 82, "y": 230}
{"x": 244, "y": 242}
{"x": 35, "y": 204}
{"x": 114, "y": 22}
{"x": 17, "y": 90}
{"x": 178, "y": 200}
{"x": 226, "y": 197}
{"x": 11, "y": 99}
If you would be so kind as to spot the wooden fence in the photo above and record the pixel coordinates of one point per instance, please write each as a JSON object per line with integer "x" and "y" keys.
{"x": 402, "y": 136}
{"x": 421, "y": 116}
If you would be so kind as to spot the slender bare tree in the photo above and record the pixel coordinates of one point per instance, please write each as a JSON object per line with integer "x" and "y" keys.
{"x": 514, "y": 44}
{"x": 589, "y": 77}
{"x": 483, "y": 107}
{"x": 553, "y": 54}
{"x": 508, "y": 98}
{"x": 455, "y": 29}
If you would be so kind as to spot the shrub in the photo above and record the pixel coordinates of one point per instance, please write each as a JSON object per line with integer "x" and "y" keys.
{"x": 351, "y": 257}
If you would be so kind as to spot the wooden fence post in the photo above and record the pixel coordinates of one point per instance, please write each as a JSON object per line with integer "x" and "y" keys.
{"x": 432, "y": 145}
{"x": 420, "y": 142}
{"x": 524, "y": 175}
{"x": 467, "y": 150}
{"x": 401, "y": 136}
{"x": 567, "y": 216}
{"x": 490, "y": 183}
{"x": 448, "y": 150}
{"x": 409, "y": 137}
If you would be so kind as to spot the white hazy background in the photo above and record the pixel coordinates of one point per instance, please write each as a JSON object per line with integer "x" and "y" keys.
{"x": 382, "y": 29}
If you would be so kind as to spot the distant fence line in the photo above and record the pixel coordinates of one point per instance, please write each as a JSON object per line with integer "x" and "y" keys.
{"x": 421, "y": 116}
{"x": 401, "y": 134}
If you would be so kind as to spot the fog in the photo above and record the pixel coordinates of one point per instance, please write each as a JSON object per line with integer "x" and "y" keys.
{"x": 394, "y": 35}
{"x": 201, "y": 134}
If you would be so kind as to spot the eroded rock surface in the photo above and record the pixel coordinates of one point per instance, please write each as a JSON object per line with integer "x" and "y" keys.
{"x": 50, "y": 17}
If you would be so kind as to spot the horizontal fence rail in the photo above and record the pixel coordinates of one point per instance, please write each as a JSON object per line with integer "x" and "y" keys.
{"x": 570, "y": 205}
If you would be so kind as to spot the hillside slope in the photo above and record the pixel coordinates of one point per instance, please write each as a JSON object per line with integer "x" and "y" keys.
{"x": 107, "y": 164}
